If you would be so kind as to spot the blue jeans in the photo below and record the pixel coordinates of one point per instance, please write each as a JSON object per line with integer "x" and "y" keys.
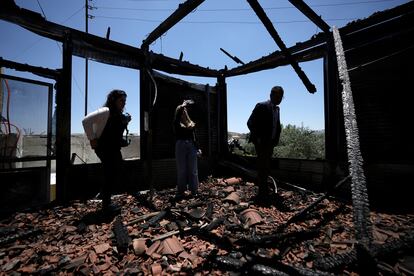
{"x": 187, "y": 172}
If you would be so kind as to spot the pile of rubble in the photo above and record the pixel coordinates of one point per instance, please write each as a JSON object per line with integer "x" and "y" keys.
{"x": 217, "y": 232}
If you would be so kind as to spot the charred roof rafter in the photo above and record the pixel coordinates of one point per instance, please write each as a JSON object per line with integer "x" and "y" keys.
{"x": 115, "y": 53}
{"x": 272, "y": 31}
{"x": 183, "y": 10}
{"x": 309, "y": 13}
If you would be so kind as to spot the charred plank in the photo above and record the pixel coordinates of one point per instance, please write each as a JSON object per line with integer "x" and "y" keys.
{"x": 121, "y": 235}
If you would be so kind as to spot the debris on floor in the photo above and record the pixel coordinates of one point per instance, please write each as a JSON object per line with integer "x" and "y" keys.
{"x": 218, "y": 232}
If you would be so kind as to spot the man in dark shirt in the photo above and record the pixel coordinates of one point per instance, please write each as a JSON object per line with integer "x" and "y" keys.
{"x": 265, "y": 129}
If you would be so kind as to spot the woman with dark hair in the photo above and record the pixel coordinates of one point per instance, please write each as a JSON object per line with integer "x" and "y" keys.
{"x": 108, "y": 146}
{"x": 185, "y": 150}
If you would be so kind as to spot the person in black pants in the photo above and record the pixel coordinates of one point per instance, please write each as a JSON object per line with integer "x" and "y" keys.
{"x": 265, "y": 128}
{"x": 108, "y": 146}
{"x": 186, "y": 150}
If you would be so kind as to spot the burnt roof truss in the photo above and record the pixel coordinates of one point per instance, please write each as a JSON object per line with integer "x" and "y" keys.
{"x": 183, "y": 10}
{"x": 272, "y": 31}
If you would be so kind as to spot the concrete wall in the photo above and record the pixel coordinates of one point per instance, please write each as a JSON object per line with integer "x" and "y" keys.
{"x": 35, "y": 145}
{"x": 80, "y": 145}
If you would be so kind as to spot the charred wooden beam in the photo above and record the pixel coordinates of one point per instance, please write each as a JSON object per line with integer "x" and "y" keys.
{"x": 18, "y": 236}
{"x": 278, "y": 58}
{"x": 214, "y": 224}
{"x": 310, "y": 207}
{"x": 40, "y": 71}
{"x": 260, "y": 266}
{"x": 378, "y": 18}
{"x": 274, "y": 59}
{"x": 121, "y": 235}
{"x": 274, "y": 262}
{"x": 280, "y": 239}
{"x": 97, "y": 48}
{"x": 380, "y": 251}
{"x": 272, "y": 31}
{"x": 236, "y": 59}
{"x": 182, "y": 11}
{"x": 143, "y": 217}
{"x": 222, "y": 114}
{"x": 360, "y": 201}
{"x": 252, "y": 176}
{"x": 309, "y": 13}
{"x": 155, "y": 219}
{"x": 175, "y": 66}
{"x": 63, "y": 121}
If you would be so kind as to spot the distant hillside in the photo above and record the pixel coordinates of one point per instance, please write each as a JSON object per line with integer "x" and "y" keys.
{"x": 240, "y": 135}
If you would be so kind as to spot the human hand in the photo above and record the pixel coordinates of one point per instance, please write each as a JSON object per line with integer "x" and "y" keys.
{"x": 126, "y": 118}
{"x": 187, "y": 102}
{"x": 199, "y": 152}
{"x": 94, "y": 143}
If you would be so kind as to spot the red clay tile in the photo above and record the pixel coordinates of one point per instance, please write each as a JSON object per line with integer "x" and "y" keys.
{"x": 156, "y": 269}
{"x": 153, "y": 248}
{"x": 101, "y": 248}
{"x": 139, "y": 246}
{"x": 233, "y": 198}
{"x": 252, "y": 217}
{"x": 232, "y": 180}
{"x": 171, "y": 246}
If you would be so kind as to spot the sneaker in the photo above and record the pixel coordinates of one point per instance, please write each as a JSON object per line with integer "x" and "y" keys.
{"x": 111, "y": 208}
{"x": 264, "y": 199}
{"x": 179, "y": 196}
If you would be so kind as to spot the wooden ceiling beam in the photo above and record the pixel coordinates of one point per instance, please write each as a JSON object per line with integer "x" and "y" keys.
{"x": 272, "y": 31}
{"x": 309, "y": 13}
{"x": 183, "y": 10}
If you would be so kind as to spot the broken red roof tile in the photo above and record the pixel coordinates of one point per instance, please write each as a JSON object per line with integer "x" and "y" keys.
{"x": 156, "y": 269}
{"x": 101, "y": 248}
{"x": 60, "y": 245}
{"x": 29, "y": 269}
{"x": 139, "y": 246}
{"x": 51, "y": 259}
{"x": 233, "y": 198}
{"x": 93, "y": 258}
{"x": 252, "y": 217}
{"x": 228, "y": 189}
{"x": 153, "y": 248}
{"x": 232, "y": 180}
{"x": 186, "y": 255}
{"x": 171, "y": 246}
{"x": 104, "y": 266}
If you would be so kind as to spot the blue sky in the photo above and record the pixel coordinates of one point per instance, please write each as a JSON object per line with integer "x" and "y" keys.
{"x": 215, "y": 24}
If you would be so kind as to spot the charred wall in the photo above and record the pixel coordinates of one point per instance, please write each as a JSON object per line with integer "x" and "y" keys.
{"x": 171, "y": 93}
{"x": 380, "y": 64}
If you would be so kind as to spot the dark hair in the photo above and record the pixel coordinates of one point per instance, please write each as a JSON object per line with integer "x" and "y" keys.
{"x": 112, "y": 97}
{"x": 277, "y": 89}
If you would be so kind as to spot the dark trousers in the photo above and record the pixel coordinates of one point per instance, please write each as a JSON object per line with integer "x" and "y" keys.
{"x": 187, "y": 171}
{"x": 264, "y": 151}
{"x": 111, "y": 162}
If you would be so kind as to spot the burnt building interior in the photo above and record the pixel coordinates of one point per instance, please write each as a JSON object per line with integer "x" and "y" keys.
{"x": 360, "y": 192}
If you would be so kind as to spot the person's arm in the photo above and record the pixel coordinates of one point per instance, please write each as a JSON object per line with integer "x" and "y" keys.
{"x": 94, "y": 143}
{"x": 177, "y": 117}
{"x": 253, "y": 123}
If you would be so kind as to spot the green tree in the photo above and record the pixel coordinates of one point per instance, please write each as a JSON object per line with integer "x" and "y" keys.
{"x": 300, "y": 143}
{"x": 296, "y": 142}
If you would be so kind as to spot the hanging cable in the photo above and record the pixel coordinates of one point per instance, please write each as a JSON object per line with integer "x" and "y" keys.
{"x": 245, "y": 9}
{"x": 17, "y": 139}
{"x": 8, "y": 104}
{"x": 156, "y": 89}
{"x": 221, "y": 22}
